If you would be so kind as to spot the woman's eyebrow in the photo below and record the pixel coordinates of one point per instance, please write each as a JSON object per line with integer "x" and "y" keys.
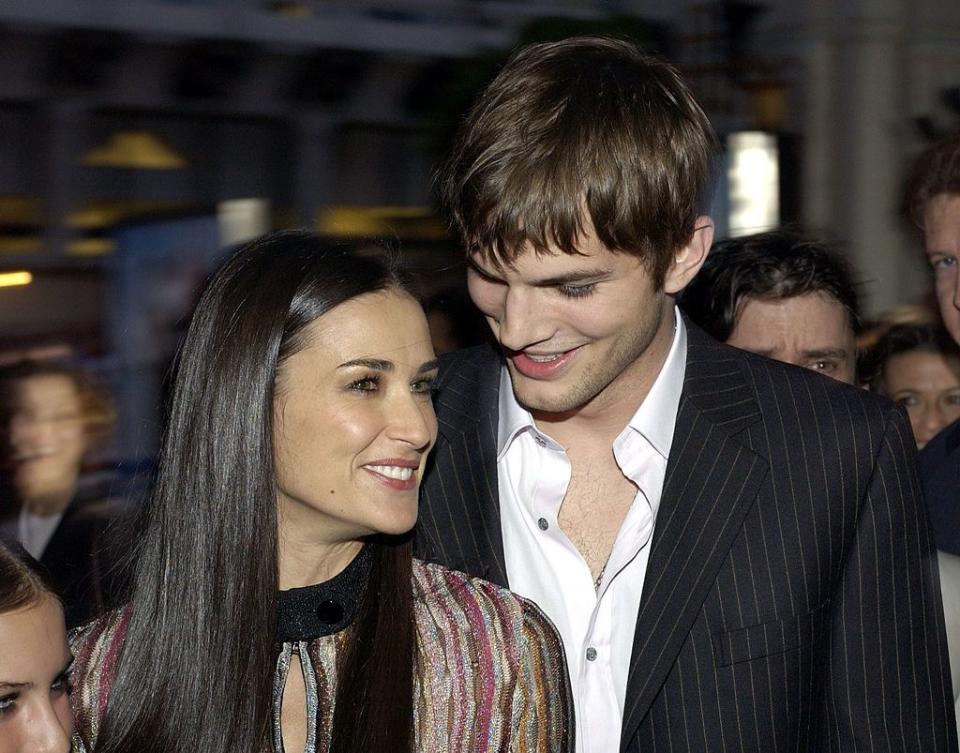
{"x": 428, "y": 366}
{"x": 14, "y": 685}
{"x": 377, "y": 364}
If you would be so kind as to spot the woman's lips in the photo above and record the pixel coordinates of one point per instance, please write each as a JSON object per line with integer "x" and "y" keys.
{"x": 542, "y": 366}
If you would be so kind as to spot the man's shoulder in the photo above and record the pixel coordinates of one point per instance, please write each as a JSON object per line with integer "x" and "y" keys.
{"x": 468, "y": 364}
{"x": 940, "y": 477}
{"x": 779, "y": 388}
{"x": 943, "y": 447}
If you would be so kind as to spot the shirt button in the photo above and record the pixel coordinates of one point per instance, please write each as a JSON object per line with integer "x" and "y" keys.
{"x": 542, "y": 524}
{"x": 540, "y": 441}
{"x": 591, "y": 653}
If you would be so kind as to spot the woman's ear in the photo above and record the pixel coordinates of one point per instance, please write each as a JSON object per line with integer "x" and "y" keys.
{"x": 688, "y": 259}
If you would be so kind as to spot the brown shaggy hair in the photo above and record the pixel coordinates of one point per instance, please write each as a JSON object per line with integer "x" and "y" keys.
{"x": 585, "y": 131}
{"x": 936, "y": 171}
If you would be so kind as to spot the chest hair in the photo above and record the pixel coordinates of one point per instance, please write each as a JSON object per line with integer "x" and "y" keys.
{"x": 595, "y": 505}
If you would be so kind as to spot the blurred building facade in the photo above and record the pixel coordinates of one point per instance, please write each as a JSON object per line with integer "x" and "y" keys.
{"x": 326, "y": 111}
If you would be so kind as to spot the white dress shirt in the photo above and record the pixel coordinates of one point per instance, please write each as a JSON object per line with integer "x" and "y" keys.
{"x": 596, "y": 624}
{"x": 35, "y": 531}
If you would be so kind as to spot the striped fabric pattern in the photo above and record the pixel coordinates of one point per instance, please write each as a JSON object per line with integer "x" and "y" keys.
{"x": 491, "y": 677}
{"x": 791, "y": 601}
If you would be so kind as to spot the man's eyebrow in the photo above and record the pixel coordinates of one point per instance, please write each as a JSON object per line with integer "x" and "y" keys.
{"x": 377, "y": 364}
{"x": 825, "y": 353}
{"x": 579, "y": 275}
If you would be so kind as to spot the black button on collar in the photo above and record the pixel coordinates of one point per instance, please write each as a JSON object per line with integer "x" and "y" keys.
{"x": 330, "y": 612}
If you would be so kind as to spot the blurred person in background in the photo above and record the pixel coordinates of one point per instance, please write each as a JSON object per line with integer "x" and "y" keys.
{"x": 780, "y": 295}
{"x": 933, "y": 203}
{"x": 917, "y": 366}
{"x": 35, "y": 660}
{"x": 454, "y": 321}
{"x": 54, "y": 416}
{"x": 277, "y": 605}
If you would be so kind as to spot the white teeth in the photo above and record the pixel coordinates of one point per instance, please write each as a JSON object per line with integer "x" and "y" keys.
{"x": 33, "y": 453}
{"x": 393, "y": 471}
{"x": 543, "y": 359}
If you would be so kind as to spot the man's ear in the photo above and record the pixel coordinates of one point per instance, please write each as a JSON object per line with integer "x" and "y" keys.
{"x": 688, "y": 259}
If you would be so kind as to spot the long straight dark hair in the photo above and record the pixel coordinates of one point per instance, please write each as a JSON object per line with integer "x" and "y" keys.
{"x": 197, "y": 664}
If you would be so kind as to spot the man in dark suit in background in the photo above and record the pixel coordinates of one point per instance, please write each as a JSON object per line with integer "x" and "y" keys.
{"x": 733, "y": 549}
{"x": 781, "y": 295}
{"x": 934, "y": 204}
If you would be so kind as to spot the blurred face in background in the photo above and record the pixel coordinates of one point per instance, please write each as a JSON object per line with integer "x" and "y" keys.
{"x": 927, "y": 384}
{"x": 812, "y": 330}
{"x": 48, "y": 436}
{"x": 941, "y": 230}
{"x": 35, "y": 714}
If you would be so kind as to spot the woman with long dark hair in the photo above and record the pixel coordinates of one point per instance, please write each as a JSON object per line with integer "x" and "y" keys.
{"x": 276, "y": 604}
{"x": 34, "y": 660}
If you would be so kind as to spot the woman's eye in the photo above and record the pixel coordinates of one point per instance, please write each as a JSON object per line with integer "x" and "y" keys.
{"x": 424, "y": 386}
{"x": 366, "y": 384}
{"x": 908, "y": 401}
{"x": 62, "y": 685}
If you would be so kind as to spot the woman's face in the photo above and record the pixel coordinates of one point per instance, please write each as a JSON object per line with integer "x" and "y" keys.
{"x": 354, "y": 420}
{"x": 47, "y": 435}
{"x": 35, "y": 714}
{"x": 928, "y": 386}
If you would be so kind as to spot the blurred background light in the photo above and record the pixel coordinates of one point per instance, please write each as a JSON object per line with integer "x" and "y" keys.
{"x": 135, "y": 150}
{"x": 754, "y": 182}
{"x": 12, "y": 279}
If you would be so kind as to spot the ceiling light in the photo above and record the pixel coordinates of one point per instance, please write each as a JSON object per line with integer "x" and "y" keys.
{"x": 137, "y": 150}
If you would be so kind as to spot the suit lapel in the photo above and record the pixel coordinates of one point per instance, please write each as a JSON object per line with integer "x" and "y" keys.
{"x": 711, "y": 483}
{"x": 462, "y": 505}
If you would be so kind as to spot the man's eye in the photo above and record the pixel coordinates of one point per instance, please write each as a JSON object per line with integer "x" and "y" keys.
{"x": 908, "y": 401}
{"x": 941, "y": 263}
{"x": 577, "y": 291}
{"x": 827, "y": 367}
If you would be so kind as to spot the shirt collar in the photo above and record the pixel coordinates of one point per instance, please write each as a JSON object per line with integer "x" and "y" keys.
{"x": 655, "y": 419}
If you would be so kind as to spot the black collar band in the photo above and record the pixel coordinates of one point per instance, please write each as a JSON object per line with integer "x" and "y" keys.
{"x": 325, "y": 608}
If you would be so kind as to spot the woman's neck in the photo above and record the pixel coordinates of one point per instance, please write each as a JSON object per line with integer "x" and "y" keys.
{"x": 303, "y": 562}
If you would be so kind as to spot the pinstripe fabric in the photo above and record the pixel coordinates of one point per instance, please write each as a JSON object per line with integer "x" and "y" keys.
{"x": 791, "y": 601}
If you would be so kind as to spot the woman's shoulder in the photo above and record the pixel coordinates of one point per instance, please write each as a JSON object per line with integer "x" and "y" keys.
{"x": 96, "y": 649}
{"x": 488, "y": 648}
{"x": 476, "y": 604}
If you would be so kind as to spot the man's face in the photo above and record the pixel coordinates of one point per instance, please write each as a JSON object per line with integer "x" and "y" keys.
{"x": 941, "y": 229}
{"x": 812, "y": 330}
{"x": 577, "y": 330}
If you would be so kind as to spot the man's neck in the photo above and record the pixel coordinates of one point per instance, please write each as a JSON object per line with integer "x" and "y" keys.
{"x": 49, "y": 503}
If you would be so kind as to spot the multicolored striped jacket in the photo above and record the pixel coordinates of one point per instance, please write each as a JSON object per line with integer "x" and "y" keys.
{"x": 491, "y": 677}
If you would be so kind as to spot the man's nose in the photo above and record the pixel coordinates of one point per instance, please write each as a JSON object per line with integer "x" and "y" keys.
{"x": 525, "y": 320}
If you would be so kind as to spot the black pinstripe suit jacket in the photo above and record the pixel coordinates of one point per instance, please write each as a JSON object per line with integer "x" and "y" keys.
{"x": 791, "y": 600}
